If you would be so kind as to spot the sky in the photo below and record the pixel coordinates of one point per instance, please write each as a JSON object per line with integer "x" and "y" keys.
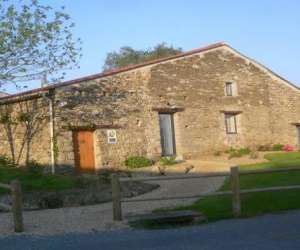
{"x": 265, "y": 30}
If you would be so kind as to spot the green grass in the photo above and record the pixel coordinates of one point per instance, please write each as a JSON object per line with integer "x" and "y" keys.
{"x": 258, "y": 203}
{"x": 32, "y": 182}
{"x": 217, "y": 208}
{"x": 283, "y": 156}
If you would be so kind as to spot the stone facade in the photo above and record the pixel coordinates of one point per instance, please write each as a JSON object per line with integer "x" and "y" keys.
{"x": 24, "y": 133}
{"x": 267, "y": 109}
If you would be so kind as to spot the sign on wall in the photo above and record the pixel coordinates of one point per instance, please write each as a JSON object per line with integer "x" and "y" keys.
{"x": 111, "y": 136}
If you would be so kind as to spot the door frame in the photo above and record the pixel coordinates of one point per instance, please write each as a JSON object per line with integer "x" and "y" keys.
{"x": 172, "y": 130}
{"x": 77, "y": 153}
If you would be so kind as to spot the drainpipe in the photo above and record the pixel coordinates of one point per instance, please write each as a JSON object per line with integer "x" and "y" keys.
{"x": 44, "y": 83}
{"x": 51, "y": 127}
{"x": 51, "y": 130}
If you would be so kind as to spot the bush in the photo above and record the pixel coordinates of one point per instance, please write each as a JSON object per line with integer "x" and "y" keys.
{"x": 5, "y": 161}
{"x": 228, "y": 151}
{"x": 244, "y": 151}
{"x": 138, "y": 162}
{"x": 288, "y": 148}
{"x": 253, "y": 155}
{"x": 217, "y": 153}
{"x": 265, "y": 147}
{"x": 34, "y": 168}
{"x": 235, "y": 153}
{"x": 167, "y": 160}
{"x": 277, "y": 147}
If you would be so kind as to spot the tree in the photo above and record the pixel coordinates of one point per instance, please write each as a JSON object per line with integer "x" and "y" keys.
{"x": 35, "y": 40}
{"x": 129, "y": 56}
{"x": 20, "y": 123}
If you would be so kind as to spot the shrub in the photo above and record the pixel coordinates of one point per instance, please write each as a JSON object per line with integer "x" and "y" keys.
{"x": 217, "y": 153}
{"x": 244, "y": 151}
{"x": 228, "y": 151}
{"x": 167, "y": 160}
{"x": 264, "y": 147}
{"x": 253, "y": 155}
{"x": 162, "y": 170}
{"x": 34, "y": 168}
{"x": 234, "y": 153}
{"x": 188, "y": 169}
{"x": 277, "y": 147}
{"x": 138, "y": 162}
{"x": 288, "y": 148}
{"x": 5, "y": 161}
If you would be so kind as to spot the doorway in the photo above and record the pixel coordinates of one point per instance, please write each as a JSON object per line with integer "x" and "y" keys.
{"x": 167, "y": 134}
{"x": 84, "y": 150}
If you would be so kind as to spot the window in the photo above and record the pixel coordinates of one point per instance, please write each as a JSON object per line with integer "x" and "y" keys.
{"x": 229, "y": 89}
{"x": 230, "y": 122}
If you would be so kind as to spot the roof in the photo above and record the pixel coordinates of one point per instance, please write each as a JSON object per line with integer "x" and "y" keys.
{"x": 113, "y": 72}
{"x": 136, "y": 66}
{"x": 2, "y": 93}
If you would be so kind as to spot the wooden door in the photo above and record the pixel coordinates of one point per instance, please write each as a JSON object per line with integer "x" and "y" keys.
{"x": 84, "y": 150}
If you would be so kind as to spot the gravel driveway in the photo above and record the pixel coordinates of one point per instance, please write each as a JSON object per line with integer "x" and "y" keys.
{"x": 99, "y": 217}
{"x": 173, "y": 188}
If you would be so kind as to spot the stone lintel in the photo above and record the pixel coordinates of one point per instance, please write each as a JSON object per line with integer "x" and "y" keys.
{"x": 235, "y": 112}
{"x": 92, "y": 128}
{"x": 168, "y": 109}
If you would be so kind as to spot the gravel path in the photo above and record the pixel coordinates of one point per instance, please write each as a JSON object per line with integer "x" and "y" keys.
{"x": 99, "y": 217}
{"x": 269, "y": 232}
{"x": 173, "y": 188}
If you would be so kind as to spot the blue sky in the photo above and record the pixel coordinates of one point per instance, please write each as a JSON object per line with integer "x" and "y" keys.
{"x": 265, "y": 30}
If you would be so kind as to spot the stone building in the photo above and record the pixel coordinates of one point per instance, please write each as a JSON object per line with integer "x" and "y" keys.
{"x": 194, "y": 103}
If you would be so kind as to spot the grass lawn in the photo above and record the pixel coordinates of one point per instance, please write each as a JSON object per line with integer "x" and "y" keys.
{"x": 32, "y": 181}
{"x": 216, "y": 208}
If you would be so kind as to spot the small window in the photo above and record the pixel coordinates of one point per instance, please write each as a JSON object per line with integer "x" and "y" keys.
{"x": 230, "y": 122}
{"x": 229, "y": 89}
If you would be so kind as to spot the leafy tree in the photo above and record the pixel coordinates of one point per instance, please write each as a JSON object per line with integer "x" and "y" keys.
{"x": 129, "y": 56}
{"x": 35, "y": 40}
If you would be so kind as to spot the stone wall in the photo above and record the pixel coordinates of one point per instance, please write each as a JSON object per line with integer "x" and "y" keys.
{"x": 24, "y": 131}
{"x": 285, "y": 111}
